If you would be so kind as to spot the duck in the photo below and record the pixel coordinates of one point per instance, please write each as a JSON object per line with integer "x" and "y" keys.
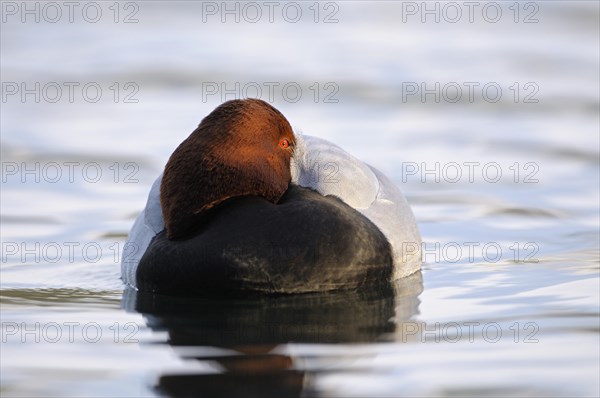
{"x": 246, "y": 205}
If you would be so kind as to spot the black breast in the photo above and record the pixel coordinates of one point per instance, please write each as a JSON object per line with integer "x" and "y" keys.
{"x": 305, "y": 243}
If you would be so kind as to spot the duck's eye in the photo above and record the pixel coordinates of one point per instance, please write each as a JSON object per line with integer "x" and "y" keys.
{"x": 284, "y": 143}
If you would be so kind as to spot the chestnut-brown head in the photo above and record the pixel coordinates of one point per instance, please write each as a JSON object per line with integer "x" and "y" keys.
{"x": 241, "y": 148}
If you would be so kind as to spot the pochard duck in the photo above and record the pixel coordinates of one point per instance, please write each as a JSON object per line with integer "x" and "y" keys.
{"x": 244, "y": 205}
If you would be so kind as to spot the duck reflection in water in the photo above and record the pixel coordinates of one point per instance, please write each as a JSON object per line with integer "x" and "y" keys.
{"x": 254, "y": 333}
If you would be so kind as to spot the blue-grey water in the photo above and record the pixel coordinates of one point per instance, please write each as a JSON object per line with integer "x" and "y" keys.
{"x": 486, "y": 115}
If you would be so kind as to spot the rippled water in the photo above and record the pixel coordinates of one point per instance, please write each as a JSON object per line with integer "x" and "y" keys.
{"x": 505, "y": 189}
